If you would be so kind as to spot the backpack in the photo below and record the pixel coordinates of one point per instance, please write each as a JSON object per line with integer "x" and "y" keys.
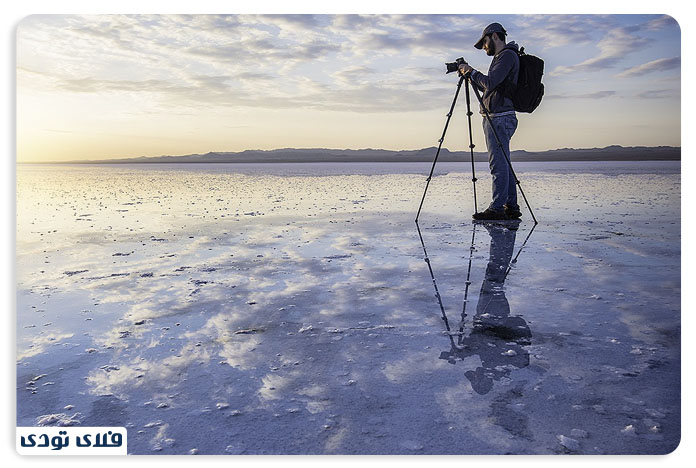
{"x": 527, "y": 95}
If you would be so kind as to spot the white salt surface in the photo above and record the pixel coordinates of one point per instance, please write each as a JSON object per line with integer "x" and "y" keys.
{"x": 264, "y": 309}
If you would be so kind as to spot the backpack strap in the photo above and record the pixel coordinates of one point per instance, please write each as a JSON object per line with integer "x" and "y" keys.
{"x": 507, "y": 86}
{"x": 518, "y": 53}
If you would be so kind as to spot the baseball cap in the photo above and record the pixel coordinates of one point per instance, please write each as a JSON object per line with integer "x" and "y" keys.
{"x": 490, "y": 29}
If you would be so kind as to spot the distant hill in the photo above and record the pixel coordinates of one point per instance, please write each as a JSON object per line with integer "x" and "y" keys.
{"x": 294, "y": 155}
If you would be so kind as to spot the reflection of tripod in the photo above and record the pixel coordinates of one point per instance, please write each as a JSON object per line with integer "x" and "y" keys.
{"x": 495, "y": 336}
{"x": 471, "y": 146}
{"x": 501, "y": 257}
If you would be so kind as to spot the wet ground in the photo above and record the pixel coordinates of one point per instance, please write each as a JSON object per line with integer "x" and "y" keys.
{"x": 292, "y": 310}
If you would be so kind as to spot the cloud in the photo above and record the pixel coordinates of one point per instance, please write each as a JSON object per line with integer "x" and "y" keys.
{"x": 353, "y": 74}
{"x": 614, "y": 48}
{"x": 597, "y": 95}
{"x": 215, "y": 68}
{"x": 93, "y": 85}
{"x": 594, "y": 95}
{"x": 211, "y": 23}
{"x": 261, "y": 50}
{"x": 361, "y": 96}
{"x": 448, "y": 39}
{"x": 343, "y": 23}
{"x": 110, "y": 33}
{"x": 655, "y": 65}
{"x": 302, "y": 22}
{"x": 658, "y": 94}
{"x": 392, "y": 34}
{"x": 253, "y": 76}
{"x": 556, "y": 30}
{"x": 369, "y": 63}
{"x": 663, "y": 22}
{"x": 616, "y": 45}
{"x": 374, "y": 98}
{"x": 385, "y": 42}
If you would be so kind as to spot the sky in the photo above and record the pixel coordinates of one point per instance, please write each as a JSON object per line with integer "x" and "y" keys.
{"x": 114, "y": 86}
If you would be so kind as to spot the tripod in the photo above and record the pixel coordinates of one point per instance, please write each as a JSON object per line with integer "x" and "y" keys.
{"x": 442, "y": 139}
{"x": 471, "y": 145}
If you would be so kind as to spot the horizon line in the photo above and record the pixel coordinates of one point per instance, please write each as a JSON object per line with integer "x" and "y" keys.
{"x": 85, "y": 161}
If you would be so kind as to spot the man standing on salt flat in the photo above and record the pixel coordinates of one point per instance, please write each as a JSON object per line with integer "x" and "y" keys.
{"x": 502, "y": 74}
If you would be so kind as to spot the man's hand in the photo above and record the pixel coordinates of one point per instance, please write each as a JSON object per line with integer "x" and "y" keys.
{"x": 465, "y": 69}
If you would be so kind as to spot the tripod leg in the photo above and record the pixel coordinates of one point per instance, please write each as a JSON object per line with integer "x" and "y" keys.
{"x": 471, "y": 143}
{"x": 442, "y": 139}
{"x": 437, "y": 291}
{"x": 507, "y": 156}
{"x": 466, "y": 287}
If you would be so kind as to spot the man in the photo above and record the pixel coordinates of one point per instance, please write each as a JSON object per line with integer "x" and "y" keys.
{"x": 502, "y": 74}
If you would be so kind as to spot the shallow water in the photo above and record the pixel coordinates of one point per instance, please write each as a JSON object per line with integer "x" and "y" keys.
{"x": 288, "y": 308}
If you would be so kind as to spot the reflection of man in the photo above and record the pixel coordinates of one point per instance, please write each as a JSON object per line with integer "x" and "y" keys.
{"x": 493, "y": 309}
{"x": 497, "y": 338}
{"x": 502, "y": 74}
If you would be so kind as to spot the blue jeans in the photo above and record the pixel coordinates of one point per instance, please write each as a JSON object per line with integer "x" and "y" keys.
{"x": 504, "y": 185}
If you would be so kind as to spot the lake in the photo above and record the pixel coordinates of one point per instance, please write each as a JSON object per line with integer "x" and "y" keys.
{"x": 298, "y": 309}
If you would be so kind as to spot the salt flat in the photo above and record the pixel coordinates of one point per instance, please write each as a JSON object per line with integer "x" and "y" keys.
{"x": 265, "y": 309}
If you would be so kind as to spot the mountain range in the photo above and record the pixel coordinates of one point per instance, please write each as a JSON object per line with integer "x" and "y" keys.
{"x": 295, "y": 155}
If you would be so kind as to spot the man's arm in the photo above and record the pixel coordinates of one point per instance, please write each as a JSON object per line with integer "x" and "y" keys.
{"x": 497, "y": 73}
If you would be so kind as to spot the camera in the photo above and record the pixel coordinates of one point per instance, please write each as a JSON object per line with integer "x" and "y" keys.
{"x": 454, "y": 66}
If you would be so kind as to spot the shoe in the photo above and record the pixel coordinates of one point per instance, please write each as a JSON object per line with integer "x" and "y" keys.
{"x": 491, "y": 215}
{"x": 512, "y": 213}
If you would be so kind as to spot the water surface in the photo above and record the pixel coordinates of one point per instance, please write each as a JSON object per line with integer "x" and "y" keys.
{"x": 271, "y": 309}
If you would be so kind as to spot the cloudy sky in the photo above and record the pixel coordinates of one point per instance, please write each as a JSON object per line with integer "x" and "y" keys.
{"x": 97, "y": 87}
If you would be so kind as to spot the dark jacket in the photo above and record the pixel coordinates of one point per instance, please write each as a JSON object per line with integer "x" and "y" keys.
{"x": 505, "y": 67}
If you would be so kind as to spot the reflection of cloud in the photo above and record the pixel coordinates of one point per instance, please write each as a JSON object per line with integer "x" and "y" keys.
{"x": 413, "y": 365}
{"x": 113, "y": 380}
{"x": 235, "y": 349}
{"x": 272, "y": 387}
{"x": 160, "y": 438}
{"x": 162, "y": 373}
{"x": 471, "y": 412}
{"x": 238, "y": 353}
{"x": 385, "y": 281}
{"x": 40, "y": 343}
{"x": 336, "y": 439}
